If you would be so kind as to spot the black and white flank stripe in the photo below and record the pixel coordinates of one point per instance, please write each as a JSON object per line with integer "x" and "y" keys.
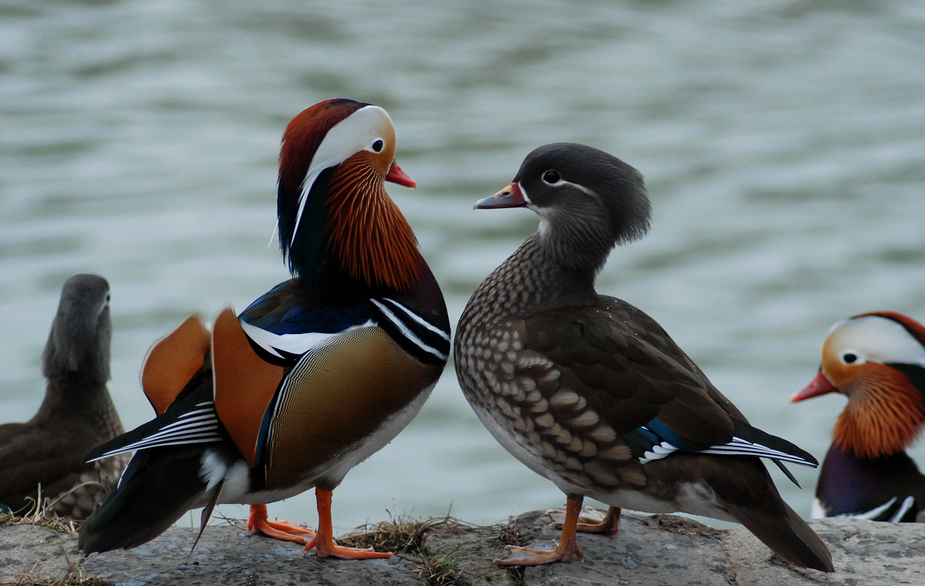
{"x": 427, "y": 342}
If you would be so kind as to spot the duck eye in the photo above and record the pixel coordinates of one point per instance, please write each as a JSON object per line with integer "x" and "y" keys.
{"x": 849, "y": 357}
{"x": 551, "y": 177}
{"x": 378, "y": 145}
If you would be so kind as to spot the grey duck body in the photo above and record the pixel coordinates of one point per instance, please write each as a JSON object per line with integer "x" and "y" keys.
{"x": 591, "y": 392}
{"x": 76, "y": 415}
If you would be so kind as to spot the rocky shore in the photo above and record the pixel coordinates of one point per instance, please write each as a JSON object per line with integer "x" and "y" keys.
{"x": 650, "y": 550}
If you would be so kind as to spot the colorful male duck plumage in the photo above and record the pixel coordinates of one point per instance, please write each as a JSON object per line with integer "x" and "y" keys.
{"x": 878, "y": 361}
{"x": 314, "y": 376}
{"x": 76, "y": 415}
{"x": 592, "y": 393}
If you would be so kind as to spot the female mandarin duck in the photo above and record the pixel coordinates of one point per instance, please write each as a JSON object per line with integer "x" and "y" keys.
{"x": 76, "y": 414}
{"x": 313, "y": 377}
{"x": 589, "y": 391}
{"x": 878, "y": 361}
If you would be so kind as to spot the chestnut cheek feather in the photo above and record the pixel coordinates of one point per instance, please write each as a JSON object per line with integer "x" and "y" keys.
{"x": 883, "y": 415}
{"x": 841, "y": 375}
{"x": 367, "y": 233}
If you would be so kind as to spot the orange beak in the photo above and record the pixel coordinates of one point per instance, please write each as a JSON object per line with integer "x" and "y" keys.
{"x": 819, "y": 386}
{"x": 396, "y": 175}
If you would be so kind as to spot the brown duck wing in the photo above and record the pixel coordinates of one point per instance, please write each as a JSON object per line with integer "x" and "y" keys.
{"x": 631, "y": 372}
{"x": 31, "y": 456}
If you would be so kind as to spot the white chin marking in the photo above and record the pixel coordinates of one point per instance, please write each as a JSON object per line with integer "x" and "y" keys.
{"x": 523, "y": 192}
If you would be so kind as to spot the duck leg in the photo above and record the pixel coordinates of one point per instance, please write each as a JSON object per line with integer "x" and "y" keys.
{"x": 323, "y": 543}
{"x": 258, "y": 522}
{"x": 565, "y": 549}
{"x": 590, "y": 520}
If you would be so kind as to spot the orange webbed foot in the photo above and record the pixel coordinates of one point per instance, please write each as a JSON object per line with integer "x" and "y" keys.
{"x": 323, "y": 543}
{"x": 565, "y": 550}
{"x": 324, "y": 546}
{"x": 590, "y": 520}
{"x": 258, "y": 522}
{"x": 525, "y": 556}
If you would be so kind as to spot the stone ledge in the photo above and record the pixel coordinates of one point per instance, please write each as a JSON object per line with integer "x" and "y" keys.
{"x": 648, "y": 550}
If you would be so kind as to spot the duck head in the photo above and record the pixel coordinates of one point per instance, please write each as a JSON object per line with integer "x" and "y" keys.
{"x": 878, "y": 361}
{"x": 78, "y": 346}
{"x": 588, "y": 202}
{"x": 335, "y": 217}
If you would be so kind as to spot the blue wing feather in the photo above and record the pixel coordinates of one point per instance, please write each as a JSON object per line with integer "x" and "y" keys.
{"x": 656, "y": 439}
{"x": 289, "y": 308}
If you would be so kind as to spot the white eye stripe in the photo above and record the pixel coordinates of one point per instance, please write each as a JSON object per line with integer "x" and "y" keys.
{"x": 875, "y": 339}
{"x": 581, "y": 188}
{"x": 561, "y": 183}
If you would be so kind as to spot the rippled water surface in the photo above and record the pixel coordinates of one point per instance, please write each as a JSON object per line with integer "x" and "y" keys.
{"x": 783, "y": 144}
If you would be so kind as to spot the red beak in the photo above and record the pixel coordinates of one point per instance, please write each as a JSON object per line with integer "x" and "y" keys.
{"x": 819, "y": 386}
{"x": 509, "y": 197}
{"x": 396, "y": 175}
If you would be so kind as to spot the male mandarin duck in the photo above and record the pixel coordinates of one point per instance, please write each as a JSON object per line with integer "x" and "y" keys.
{"x": 76, "y": 414}
{"x": 878, "y": 361}
{"x": 314, "y": 376}
{"x": 591, "y": 392}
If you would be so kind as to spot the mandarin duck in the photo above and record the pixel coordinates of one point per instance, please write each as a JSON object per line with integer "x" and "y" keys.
{"x": 878, "y": 361}
{"x": 310, "y": 379}
{"x": 591, "y": 392}
{"x": 76, "y": 414}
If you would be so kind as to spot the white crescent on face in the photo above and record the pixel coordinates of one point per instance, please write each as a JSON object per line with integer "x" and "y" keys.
{"x": 351, "y": 135}
{"x": 872, "y": 338}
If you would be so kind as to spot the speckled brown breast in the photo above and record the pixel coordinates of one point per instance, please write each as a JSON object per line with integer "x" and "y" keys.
{"x": 538, "y": 404}
{"x": 559, "y": 380}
